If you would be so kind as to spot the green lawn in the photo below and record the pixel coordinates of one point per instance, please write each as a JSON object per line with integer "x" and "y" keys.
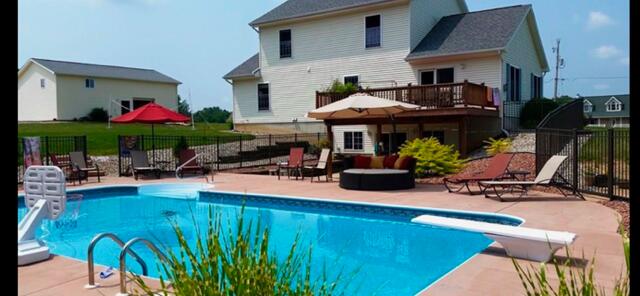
{"x": 103, "y": 141}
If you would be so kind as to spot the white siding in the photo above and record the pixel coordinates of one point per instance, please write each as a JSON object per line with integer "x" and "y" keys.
{"x": 478, "y": 70}
{"x": 34, "y": 102}
{"x": 368, "y": 132}
{"x": 324, "y": 50}
{"x": 521, "y": 52}
{"x": 426, "y": 13}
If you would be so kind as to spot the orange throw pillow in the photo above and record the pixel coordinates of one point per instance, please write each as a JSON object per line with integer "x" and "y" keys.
{"x": 377, "y": 162}
{"x": 399, "y": 163}
{"x": 389, "y": 161}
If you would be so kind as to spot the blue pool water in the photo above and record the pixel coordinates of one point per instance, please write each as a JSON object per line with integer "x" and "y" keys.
{"x": 389, "y": 255}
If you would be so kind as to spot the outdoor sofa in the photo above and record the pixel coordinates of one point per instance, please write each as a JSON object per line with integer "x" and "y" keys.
{"x": 378, "y": 173}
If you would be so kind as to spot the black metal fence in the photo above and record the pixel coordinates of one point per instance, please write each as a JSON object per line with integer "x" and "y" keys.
{"x": 598, "y": 159}
{"x": 57, "y": 145}
{"x": 511, "y": 115}
{"x": 215, "y": 153}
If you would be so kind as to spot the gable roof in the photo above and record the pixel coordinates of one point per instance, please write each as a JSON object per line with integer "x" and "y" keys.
{"x": 247, "y": 69}
{"x": 471, "y": 32}
{"x": 292, "y": 9}
{"x": 599, "y": 108}
{"x": 104, "y": 71}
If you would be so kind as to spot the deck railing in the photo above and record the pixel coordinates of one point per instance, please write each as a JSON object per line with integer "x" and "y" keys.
{"x": 427, "y": 96}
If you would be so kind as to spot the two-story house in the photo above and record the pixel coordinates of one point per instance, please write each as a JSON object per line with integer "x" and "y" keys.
{"x": 433, "y": 53}
{"x": 59, "y": 90}
{"x": 609, "y": 111}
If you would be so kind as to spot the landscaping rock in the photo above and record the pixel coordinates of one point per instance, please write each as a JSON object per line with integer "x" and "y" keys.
{"x": 524, "y": 142}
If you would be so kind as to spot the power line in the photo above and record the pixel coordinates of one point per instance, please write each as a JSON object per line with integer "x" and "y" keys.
{"x": 601, "y": 77}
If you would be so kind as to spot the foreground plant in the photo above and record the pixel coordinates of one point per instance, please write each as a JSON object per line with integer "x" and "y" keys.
{"x": 235, "y": 262}
{"x": 432, "y": 157}
{"x": 572, "y": 283}
{"x": 495, "y": 146}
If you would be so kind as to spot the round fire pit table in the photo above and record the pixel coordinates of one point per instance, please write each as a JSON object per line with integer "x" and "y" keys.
{"x": 376, "y": 179}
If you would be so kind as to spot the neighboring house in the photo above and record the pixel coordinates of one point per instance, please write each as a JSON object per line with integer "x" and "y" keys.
{"x": 57, "y": 90}
{"x": 610, "y": 111}
{"x": 438, "y": 47}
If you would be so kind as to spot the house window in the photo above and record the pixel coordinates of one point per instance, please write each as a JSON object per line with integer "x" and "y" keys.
{"x": 613, "y": 105}
{"x": 353, "y": 141}
{"x": 353, "y": 79}
{"x": 89, "y": 83}
{"x": 285, "y": 43}
{"x": 536, "y": 87}
{"x": 436, "y": 134}
{"x": 444, "y": 75}
{"x": 263, "y": 97}
{"x": 139, "y": 102}
{"x": 372, "y": 31}
{"x": 513, "y": 83}
{"x": 588, "y": 107}
{"x": 42, "y": 83}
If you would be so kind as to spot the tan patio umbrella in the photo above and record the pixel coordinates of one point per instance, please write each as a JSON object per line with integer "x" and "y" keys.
{"x": 362, "y": 105}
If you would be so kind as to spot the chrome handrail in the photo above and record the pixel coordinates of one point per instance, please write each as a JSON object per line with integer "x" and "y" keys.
{"x": 123, "y": 259}
{"x": 184, "y": 164}
{"x": 116, "y": 239}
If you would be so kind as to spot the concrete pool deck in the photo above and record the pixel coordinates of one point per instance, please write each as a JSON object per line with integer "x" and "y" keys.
{"x": 490, "y": 272}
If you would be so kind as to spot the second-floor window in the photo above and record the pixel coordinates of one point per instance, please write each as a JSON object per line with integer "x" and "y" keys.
{"x": 263, "y": 97}
{"x": 353, "y": 141}
{"x": 536, "y": 87}
{"x": 42, "y": 83}
{"x": 372, "y": 31}
{"x": 513, "y": 83}
{"x": 285, "y": 43}
{"x": 443, "y": 75}
{"x": 89, "y": 83}
{"x": 353, "y": 79}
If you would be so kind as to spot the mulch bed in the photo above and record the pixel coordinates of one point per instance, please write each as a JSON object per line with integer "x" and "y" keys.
{"x": 622, "y": 207}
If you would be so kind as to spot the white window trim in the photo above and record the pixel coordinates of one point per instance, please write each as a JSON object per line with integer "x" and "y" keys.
{"x": 92, "y": 79}
{"x": 344, "y": 144}
{"x": 615, "y": 102}
{"x": 258, "y": 98}
{"x": 587, "y": 103}
{"x": 291, "y": 33}
{"x": 364, "y": 26}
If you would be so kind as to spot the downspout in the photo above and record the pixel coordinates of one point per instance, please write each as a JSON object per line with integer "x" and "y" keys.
{"x": 502, "y": 99}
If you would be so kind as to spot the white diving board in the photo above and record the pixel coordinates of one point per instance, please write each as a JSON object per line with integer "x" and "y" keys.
{"x": 520, "y": 242}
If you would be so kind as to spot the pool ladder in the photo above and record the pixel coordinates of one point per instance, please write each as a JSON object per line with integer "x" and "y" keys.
{"x": 178, "y": 169}
{"x": 125, "y": 249}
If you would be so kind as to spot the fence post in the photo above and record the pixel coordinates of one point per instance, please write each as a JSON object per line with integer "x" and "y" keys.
{"x": 295, "y": 140}
{"x": 269, "y": 149}
{"x": 119, "y": 156}
{"x": 610, "y": 161}
{"x": 46, "y": 148}
{"x": 218, "y": 153}
{"x": 240, "y": 153}
{"x": 575, "y": 159}
{"x": 84, "y": 144}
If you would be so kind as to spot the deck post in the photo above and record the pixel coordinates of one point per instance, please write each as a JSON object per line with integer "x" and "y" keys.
{"x": 462, "y": 136}
{"x": 330, "y": 138}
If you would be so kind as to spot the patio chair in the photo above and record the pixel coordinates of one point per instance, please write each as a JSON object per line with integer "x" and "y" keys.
{"x": 544, "y": 178}
{"x": 67, "y": 168}
{"x": 321, "y": 167}
{"x": 79, "y": 163}
{"x": 497, "y": 170}
{"x": 140, "y": 164}
{"x": 189, "y": 163}
{"x": 295, "y": 163}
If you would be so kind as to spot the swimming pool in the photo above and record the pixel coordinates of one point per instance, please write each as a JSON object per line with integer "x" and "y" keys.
{"x": 391, "y": 255}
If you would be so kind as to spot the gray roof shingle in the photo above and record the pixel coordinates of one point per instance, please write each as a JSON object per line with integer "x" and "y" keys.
{"x": 472, "y": 31}
{"x": 599, "y": 109}
{"x": 93, "y": 70}
{"x": 299, "y": 8}
{"x": 246, "y": 69}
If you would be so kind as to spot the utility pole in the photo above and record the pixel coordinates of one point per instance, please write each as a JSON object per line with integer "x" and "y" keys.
{"x": 559, "y": 65}
{"x": 193, "y": 127}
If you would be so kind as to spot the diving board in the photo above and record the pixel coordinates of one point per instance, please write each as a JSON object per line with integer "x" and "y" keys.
{"x": 520, "y": 242}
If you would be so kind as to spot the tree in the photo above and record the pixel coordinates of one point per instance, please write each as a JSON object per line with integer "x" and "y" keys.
{"x": 212, "y": 115}
{"x": 183, "y": 107}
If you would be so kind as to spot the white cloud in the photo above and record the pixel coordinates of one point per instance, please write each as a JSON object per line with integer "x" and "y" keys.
{"x": 597, "y": 20}
{"x": 601, "y": 86}
{"x": 606, "y": 51}
{"x": 624, "y": 61}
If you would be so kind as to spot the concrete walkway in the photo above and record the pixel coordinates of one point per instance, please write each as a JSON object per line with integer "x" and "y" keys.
{"x": 488, "y": 273}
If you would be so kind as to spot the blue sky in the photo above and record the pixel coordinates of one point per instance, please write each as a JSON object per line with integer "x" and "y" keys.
{"x": 198, "y": 41}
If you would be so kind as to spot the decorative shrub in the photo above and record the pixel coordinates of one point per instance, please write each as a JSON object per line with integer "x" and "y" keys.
{"x": 432, "y": 157}
{"x": 341, "y": 88}
{"x": 535, "y": 110}
{"x": 97, "y": 115}
{"x": 179, "y": 146}
{"x": 236, "y": 261}
{"x": 317, "y": 148}
{"x": 495, "y": 146}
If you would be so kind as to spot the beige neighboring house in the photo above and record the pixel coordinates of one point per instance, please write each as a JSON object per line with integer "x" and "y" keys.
{"x": 432, "y": 53}
{"x": 58, "y": 90}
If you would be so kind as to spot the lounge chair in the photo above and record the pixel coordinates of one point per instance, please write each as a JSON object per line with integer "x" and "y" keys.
{"x": 79, "y": 163}
{"x": 188, "y": 163}
{"x": 321, "y": 167}
{"x": 67, "y": 168}
{"x": 140, "y": 164}
{"x": 520, "y": 242}
{"x": 544, "y": 178}
{"x": 497, "y": 170}
{"x": 295, "y": 163}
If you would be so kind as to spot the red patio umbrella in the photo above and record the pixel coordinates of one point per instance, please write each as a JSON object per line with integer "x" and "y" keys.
{"x": 151, "y": 113}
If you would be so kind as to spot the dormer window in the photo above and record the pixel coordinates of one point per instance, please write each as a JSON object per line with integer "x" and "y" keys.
{"x": 285, "y": 43}
{"x": 588, "y": 107}
{"x": 372, "y": 31}
{"x": 613, "y": 105}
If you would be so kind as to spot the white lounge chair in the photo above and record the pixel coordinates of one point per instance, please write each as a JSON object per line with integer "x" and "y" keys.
{"x": 544, "y": 178}
{"x": 520, "y": 242}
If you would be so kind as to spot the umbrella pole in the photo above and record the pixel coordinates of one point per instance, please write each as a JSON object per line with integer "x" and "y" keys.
{"x": 392, "y": 140}
{"x": 153, "y": 144}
